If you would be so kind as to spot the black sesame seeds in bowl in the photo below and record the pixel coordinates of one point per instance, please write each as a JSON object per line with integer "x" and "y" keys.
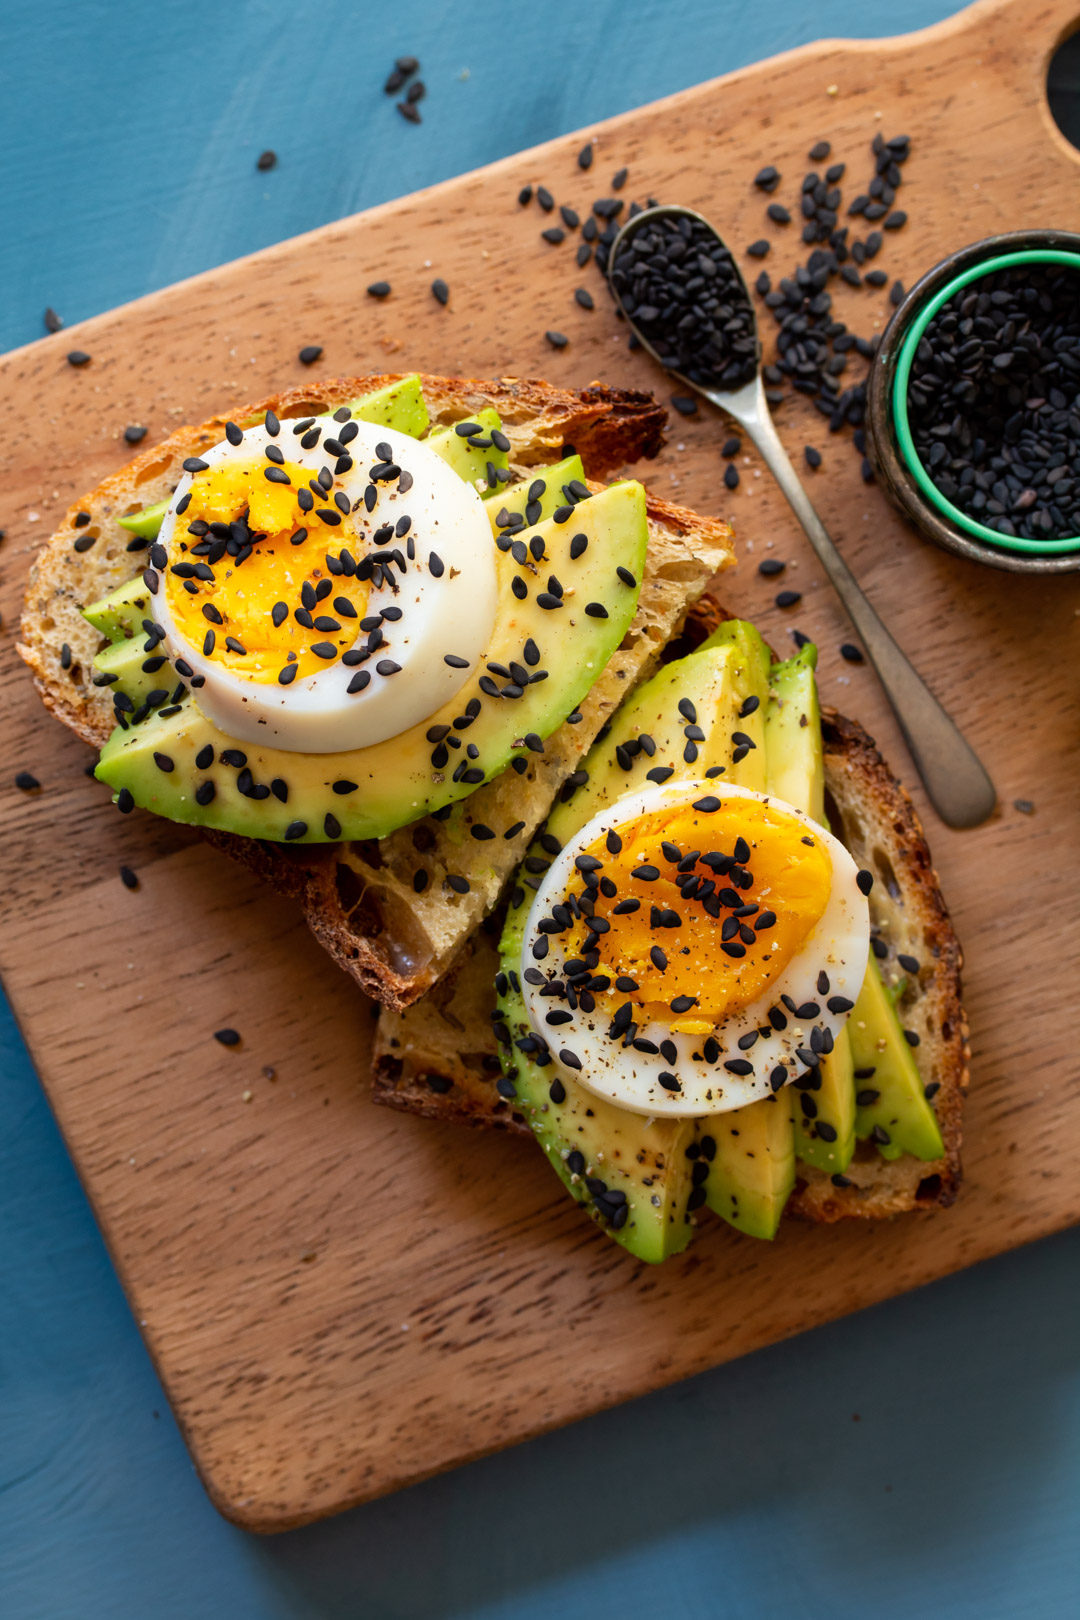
{"x": 973, "y": 403}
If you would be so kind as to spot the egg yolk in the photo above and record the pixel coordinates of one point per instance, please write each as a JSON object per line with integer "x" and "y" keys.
{"x": 714, "y": 945}
{"x": 270, "y": 602}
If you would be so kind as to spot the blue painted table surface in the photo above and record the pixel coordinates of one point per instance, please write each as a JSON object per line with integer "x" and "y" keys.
{"x": 920, "y": 1458}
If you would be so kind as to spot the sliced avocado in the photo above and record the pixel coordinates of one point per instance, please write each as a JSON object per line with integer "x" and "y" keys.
{"x": 751, "y": 1159}
{"x": 825, "y": 1111}
{"x": 750, "y": 677}
{"x": 399, "y": 405}
{"x": 647, "y": 740}
{"x": 147, "y": 522}
{"x": 514, "y": 498}
{"x": 136, "y": 671}
{"x": 892, "y": 1105}
{"x": 120, "y": 614}
{"x": 793, "y": 747}
{"x": 473, "y": 457}
{"x": 752, "y": 1170}
{"x": 368, "y": 792}
{"x": 652, "y": 1166}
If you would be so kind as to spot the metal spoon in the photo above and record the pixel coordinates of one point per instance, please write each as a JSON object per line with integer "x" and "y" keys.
{"x": 955, "y": 779}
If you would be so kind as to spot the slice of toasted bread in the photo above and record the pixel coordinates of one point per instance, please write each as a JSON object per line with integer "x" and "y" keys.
{"x": 440, "y": 1058}
{"x": 359, "y": 898}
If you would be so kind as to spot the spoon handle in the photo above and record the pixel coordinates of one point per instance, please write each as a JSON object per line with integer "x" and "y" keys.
{"x": 955, "y": 779}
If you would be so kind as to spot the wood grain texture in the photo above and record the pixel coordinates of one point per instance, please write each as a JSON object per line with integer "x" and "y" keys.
{"x": 341, "y": 1300}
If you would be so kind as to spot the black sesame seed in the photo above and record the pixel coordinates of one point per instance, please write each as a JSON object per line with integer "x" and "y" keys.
{"x": 786, "y": 599}
{"x": 227, "y": 1037}
{"x": 865, "y": 881}
{"x": 850, "y": 653}
{"x": 558, "y": 340}
{"x": 440, "y": 291}
{"x": 309, "y": 354}
{"x": 78, "y": 357}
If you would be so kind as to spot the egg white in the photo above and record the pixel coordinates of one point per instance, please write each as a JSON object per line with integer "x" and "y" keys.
{"x": 838, "y": 946}
{"x": 454, "y": 613}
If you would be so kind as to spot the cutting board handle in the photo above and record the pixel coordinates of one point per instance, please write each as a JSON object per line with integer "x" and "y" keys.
{"x": 1012, "y": 43}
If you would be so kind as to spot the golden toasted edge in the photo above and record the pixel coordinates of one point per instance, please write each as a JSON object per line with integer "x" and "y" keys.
{"x": 440, "y": 1060}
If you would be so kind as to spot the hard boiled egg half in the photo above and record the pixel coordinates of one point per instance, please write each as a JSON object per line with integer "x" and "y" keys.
{"x": 694, "y": 948}
{"x": 323, "y": 584}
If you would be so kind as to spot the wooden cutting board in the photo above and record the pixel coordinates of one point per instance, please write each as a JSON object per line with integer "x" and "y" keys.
{"x": 341, "y": 1300}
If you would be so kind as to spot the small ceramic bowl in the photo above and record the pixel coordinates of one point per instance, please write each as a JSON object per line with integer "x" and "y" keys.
{"x": 889, "y": 445}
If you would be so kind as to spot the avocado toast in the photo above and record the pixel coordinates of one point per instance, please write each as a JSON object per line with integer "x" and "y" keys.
{"x": 870, "y": 1127}
{"x": 392, "y": 899}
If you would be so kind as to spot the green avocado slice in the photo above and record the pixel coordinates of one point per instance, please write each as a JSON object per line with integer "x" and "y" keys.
{"x": 751, "y": 1157}
{"x": 137, "y": 674}
{"x": 514, "y": 500}
{"x": 399, "y": 405}
{"x": 892, "y": 1105}
{"x": 652, "y": 1168}
{"x": 474, "y": 457}
{"x": 120, "y": 614}
{"x": 750, "y": 660}
{"x": 825, "y": 1111}
{"x": 368, "y": 792}
{"x": 750, "y": 1152}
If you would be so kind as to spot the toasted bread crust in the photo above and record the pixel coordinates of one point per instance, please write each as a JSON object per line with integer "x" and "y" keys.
{"x": 358, "y": 899}
{"x": 440, "y": 1058}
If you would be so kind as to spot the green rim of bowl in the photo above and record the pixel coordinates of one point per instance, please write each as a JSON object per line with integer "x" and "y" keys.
{"x": 975, "y": 272}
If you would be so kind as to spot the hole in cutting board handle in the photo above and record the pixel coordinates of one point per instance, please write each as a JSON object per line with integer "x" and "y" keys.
{"x": 1063, "y": 87}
